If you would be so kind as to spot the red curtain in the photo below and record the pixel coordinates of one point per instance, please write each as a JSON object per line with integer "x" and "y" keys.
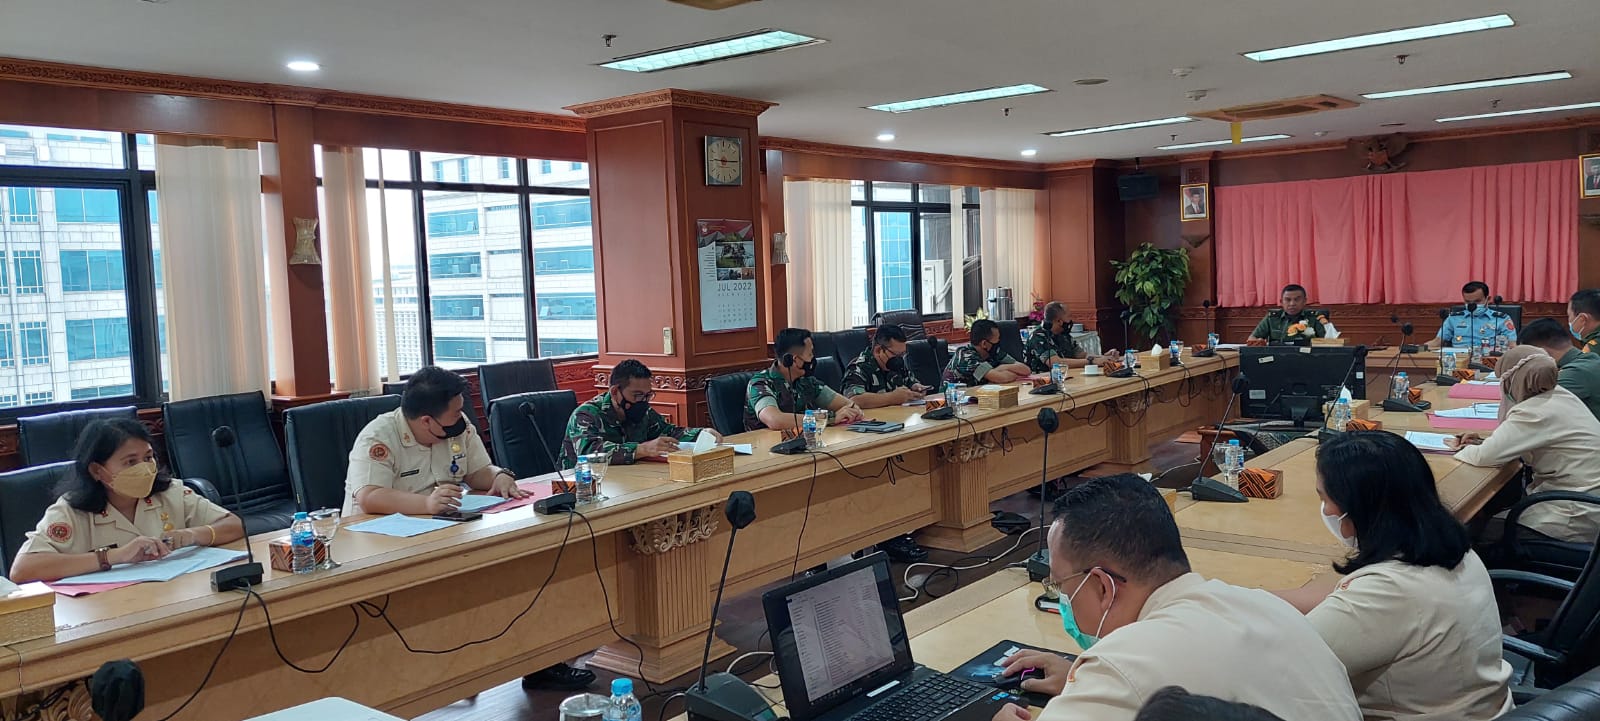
{"x": 1402, "y": 238}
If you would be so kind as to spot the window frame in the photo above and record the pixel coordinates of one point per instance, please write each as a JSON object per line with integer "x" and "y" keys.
{"x": 916, "y": 207}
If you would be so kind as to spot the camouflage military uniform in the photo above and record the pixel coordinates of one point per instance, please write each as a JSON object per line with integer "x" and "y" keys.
{"x": 768, "y": 389}
{"x": 594, "y": 428}
{"x": 1043, "y": 345}
{"x": 865, "y": 376}
{"x": 967, "y": 367}
{"x": 1275, "y": 327}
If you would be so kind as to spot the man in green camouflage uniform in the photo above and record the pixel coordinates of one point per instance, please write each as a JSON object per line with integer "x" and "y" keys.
{"x": 1052, "y": 342}
{"x": 779, "y": 396}
{"x": 982, "y": 360}
{"x": 879, "y": 377}
{"x": 1291, "y": 310}
{"x": 621, "y": 423}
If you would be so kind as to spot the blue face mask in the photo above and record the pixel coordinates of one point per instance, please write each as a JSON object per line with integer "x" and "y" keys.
{"x": 1574, "y": 331}
{"x": 1069, "y": 623}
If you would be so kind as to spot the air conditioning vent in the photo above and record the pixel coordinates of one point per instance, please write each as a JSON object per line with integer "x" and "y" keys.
{"x": 1277, "y": 109}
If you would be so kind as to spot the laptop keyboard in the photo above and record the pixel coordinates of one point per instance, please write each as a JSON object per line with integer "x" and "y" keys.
{"x": 924, "y": 700}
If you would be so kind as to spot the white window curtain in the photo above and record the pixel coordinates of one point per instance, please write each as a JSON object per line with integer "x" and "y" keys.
{"x": 211, "y": 238}
{"x": 1008, "y": 228}
{"x": 958, "y": 254}
{"x": 346, "y": 260}
{"x": 817, "y": 218}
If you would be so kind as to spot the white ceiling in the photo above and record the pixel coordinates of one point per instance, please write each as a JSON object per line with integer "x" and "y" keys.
{"x": 540, "y": 54}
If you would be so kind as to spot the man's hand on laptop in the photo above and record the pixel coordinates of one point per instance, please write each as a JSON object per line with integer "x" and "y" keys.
{"x": 1053, "y": 667}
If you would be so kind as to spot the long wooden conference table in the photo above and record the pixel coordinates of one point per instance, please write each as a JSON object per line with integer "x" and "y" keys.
{"x": 634, "y": 579}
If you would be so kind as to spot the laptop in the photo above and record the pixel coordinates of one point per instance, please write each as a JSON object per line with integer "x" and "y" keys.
{"x": 843, "y": 653}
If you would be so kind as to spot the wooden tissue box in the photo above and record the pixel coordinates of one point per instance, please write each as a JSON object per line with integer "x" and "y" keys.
{"x": 995, "y": 397}
{"x": 1261, "y": 483}
{"x": 1329, "y": 341}
{"x": 1360, "y": 410}
{"x": 27, "y": 612}
{"x": 282, "y": 553}
{"x": 1151, "y": 363}
{"x": 1170, "y": 495}
{"x": 689, "y": 467}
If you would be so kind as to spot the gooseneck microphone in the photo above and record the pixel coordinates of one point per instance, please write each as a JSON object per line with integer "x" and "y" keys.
{"x": 723, "y": 696}
{"x": 247, "y": 574}
{"x": 560, "y": 502}
{"x": 1039, "y": 562}
{"x": 1207, "y": 489}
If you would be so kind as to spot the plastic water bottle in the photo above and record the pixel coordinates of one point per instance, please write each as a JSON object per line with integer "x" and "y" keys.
{"x": 624, "y": 707}
{"x": 1212, "y": 339}
{"x": 303, "y": 543}
{"x": 583, "y": 480}
{"x": 809, "y": 428}
{"x": 1131, "y": 358}
{"x": 1400, "y": 389}
{"x": 1340, "y": 417}
{"x": 1233, "y": 463}
{"x": 1176, "y": 347}
{"x": 1058, "y": 374}
{"x": 1501, "y": 344}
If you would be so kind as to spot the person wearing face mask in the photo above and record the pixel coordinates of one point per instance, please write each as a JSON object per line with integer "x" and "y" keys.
{"x": 1145, "y": 621}
{"x": 414, "y": 459}
{"x": 1583, "y": 319}
{"x": 621, "y": 423}
{"x": 118, "y": 507}
{"x": 1052, "y": 343}
{"x": 982, "y": 360}
{"x": 879, "y": 377}
{"x": 1414, "y": 618}
{"x": 778, "y": 397}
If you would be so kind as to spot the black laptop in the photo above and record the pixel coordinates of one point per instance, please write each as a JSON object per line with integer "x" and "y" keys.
{"x": 843, "y": 654}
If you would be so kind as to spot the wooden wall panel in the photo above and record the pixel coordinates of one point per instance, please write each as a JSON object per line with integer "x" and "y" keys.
{"x": 742, "y": 202}
{"x": 69, "y": 107}
{"x": 1441, "y": 154}
{"x": 634, "y": 252}
{"x": 819, "y": 160}
{"x": 375, "y": 130}
{"x": 1366, "y": 324}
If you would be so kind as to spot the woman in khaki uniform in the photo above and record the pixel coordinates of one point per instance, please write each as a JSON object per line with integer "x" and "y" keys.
{"x": 118, "y": 508}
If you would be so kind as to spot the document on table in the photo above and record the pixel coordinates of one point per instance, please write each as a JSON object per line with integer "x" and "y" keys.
{"x": 478, "y": 503}
{"x": 177, "y": 563}
{"x": 400, "y": 525}
{"x": 1485, "y": 411}
{"x": 741, "y": 449}
{"x": 1482, "y": 383}
{"x": 1429, "y": 441}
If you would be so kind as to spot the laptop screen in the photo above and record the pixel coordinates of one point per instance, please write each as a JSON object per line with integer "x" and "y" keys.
{"x": 837, "y": 635}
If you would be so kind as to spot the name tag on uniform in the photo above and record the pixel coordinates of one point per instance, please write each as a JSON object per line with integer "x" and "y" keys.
{"x": 411, "y": 472}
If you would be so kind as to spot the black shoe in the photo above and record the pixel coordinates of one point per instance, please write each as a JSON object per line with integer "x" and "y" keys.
{"x": 559, "y": 677}
{"x": 904, "y": 549}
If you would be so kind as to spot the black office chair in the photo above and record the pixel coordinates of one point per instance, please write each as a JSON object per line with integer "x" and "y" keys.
{"x": 1569, "y": 644}
{"x": 264, "y": 498}
{"x": 847, "y": 344}
{"x": 319, "y": 438}
{"x": 497, "y": 380}
{"x": 24, "y": 494}
{"x": 1562, "y": 559}
{"x": 909, "y": 321}
{"x": 1011, "y": 339}
{"x": 824, "y": 346}
{"x": 517, "y": 439}
{"x": 1575, "y": 700}
{"x": 830, "y": 373}
{"x": 398, "y": 389}
{"x": 725, "y": 399}
{"x": 924, "y": 363}
{"x": 941, "y": 351}
{"x": 52, "y": 437}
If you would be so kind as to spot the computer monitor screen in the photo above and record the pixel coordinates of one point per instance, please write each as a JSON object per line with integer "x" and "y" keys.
{"x": 1291, "y": 384}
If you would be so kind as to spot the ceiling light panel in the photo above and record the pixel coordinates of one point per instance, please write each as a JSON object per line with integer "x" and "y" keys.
{"x": 710, "y": 51}
{"x": 1509, "y": 113}
{"x": 1209, "y": 143}
{"x": 970, "y": 96}
{"x": 1386, "y": 37}
{"x": 1472, "y": 85}
{"x": 1121, "y": 126}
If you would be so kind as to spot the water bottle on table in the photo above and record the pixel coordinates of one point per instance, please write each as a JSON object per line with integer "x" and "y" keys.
{"x": 303, "y": 544}
{"x": 1233, "y": 464}
{"x": 1131, "y": 358}
{"x": 1058, "y": 374}
{"x": 1339, "y": 418}
{"x": 583, "y": 481}
{"x": 808, "y": 427}
{"x": 1400, "y": 389}
{"x": 1176, "y": 348}
{"x": 1212, "y": 340}
{"x": 624, "y": 707}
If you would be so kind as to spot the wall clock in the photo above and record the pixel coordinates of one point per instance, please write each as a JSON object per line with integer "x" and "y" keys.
{"x": 724, "y": 161}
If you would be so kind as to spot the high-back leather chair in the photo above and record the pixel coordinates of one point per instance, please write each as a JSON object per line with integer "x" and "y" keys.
{"x": 924, "y": 364}
{"x": 941, "y": 352}
{"x": 24, "y": 494}
{"x": 1575, "y": 700}
{"x": 1561, "y": 559}
{"x": 848, "y": 344}
{"x": 909, "y": 321}
{"x": 830, "y": 373}
{"x": 52, "y": 437}
{"x": 497, "y": 380}
{"x": 725, "y": 399}
{"x": 1569, "y": 644}
{"x": 823, "y": 345}
{"x": 263, "y": 496}
{"x": 519, "y": 442}
{"x": 1011, "y": 339}
{"x": 319, "y": 438}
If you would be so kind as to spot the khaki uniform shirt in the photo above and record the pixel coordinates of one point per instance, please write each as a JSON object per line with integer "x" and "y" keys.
{"x": 1421, "y": 643}
{"x": 1275, "y": 327}
{"x": 387, "y": 456}
{"x": 1042, "y": 345}
{"x": 1214, "y": 639}
{"x": 65, "y": 529}
{"x": 1580, "y": 373}
{"x": 1554, "y": 434}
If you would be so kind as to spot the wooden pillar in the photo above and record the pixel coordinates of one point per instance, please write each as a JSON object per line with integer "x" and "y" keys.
{"x": 1086, "y": 233}
{"x": 647, "y": 166}
{"x": 1588, "y": 218}
{"x": 289, "y": 184}
{"x": 776, "y": 276}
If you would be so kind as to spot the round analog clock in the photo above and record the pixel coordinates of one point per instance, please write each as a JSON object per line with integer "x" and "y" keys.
{"x": 724, "y": 161}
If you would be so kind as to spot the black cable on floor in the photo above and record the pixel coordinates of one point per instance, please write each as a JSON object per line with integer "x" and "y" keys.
{"x": 213, "y": 669}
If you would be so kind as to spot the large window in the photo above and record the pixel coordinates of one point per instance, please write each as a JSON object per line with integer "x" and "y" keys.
{"x": 902, "y": 248}
{"x": 78, "y": 299}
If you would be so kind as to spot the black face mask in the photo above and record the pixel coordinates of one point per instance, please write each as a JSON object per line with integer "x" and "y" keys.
{"x": 809, "y": 368}
{"x": 633, "y": 412}
{"x": 454, "y": 429}
{"x": 896, "y": 364}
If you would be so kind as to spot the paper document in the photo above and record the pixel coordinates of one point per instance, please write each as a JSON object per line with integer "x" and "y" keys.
{"x": 478, "y": 503}
{"x": 1486, "y": 411}
{"x": 741, "y": 449}
{"x": 400, "y": 525}
{"x": 1429, "y": 441}
{"x": 1229, "y": 346}
{"x": 177, "y": 563}
{"x": 704, "y": 442}
{"x": 1482, "y": 383}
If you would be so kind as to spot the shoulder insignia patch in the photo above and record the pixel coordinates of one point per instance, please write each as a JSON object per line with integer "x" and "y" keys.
{"x": 188, "y": 491}
{"x": 59, "y": 532}
{"x": 378, "y": 452}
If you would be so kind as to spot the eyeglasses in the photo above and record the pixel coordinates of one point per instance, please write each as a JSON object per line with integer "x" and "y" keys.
{"x": 643, "y": 398}
{"x": 1053, "y": 586}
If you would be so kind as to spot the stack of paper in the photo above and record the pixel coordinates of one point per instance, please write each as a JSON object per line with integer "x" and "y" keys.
{"x": 478, "y": 503}
{"x": 1429, "y": 441}
{"x": 400, "y": 525}
{"x": 1483, "y": 411}
{"x": 177, "y": 563}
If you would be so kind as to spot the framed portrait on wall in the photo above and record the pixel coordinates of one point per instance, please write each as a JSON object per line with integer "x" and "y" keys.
{"x": 1196, "y": 199}
{"x": 1589, "y": 175}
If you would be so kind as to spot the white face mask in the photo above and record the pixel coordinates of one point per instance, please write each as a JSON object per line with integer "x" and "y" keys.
{"x": 1333, "y": 523}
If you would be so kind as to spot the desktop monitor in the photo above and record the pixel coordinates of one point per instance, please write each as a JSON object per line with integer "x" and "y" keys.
{"x": 1291, "y": 384}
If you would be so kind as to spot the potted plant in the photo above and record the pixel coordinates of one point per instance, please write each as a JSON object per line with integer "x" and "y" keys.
{"x": 1150, "y": 282}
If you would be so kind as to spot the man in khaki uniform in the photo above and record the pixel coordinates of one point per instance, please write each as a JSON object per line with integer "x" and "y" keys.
{"x": 1284, "y": 324}
{"x": 1145, "y": 621}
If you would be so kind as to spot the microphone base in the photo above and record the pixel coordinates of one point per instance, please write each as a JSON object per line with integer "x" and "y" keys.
{"x": 1444, "y": 380}
{"x": 1039, "y": 565}
{"x": 1410, "y": 349}
{"x": 242, "y": 576}
{"x": 1399, "y": 406}
{"x": 726, "y": 697}
{"x": 1048, "y": 389}
{"x": 791, "y": 447}
{"x": 1207, "y": 353}
{"x": 1481, "y": 368}
{"x": 558, "y": 503}
{"x": 939, "y": 414}
{"x": 1211, "y": 489}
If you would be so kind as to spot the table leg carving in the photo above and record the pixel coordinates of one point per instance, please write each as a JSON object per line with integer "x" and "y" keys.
{"x": 68, "y": 702}
{"x": 965, "y": 450}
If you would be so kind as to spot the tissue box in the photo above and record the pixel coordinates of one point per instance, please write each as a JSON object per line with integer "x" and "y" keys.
{"x": 1328, "y": 341}
{"x": 1360, "y": 410}
{"x": 282, "y": 553}
{"x": 1170, "y": 495}
{"x": 1152, "y": 363}
{"x": 1261, "y": 483}
{"x": 995, "y": 397}
{"x": 689, "y": 467}
{"x": 27, "y": 612}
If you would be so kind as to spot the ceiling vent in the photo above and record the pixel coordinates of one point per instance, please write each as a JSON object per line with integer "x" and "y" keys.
{"x": 1277, "y": 109}
{"x": 711, "y": 4}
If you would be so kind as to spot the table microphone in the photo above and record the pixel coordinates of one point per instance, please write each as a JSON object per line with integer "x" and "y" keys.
{"x": 559, "y": 502}
{"x": 1209, "y": 489}
{"x": 1039, "y": 562}
{"x": 247, "y": 574}
{"x": 723, "y": 696}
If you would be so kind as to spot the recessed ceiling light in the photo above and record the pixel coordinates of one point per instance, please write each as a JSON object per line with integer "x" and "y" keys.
{"x": 710, "y": 51}
{"x": 885, "y": 137}
{"x": 1472, "y": 85}
{"x": 1089, "y": 81}
{"x": 1383, "y": 38}
{"x": 1208, "y": 143}
{"x": 1030, "y": 152}
{"x": 303, "y": 66}
{"x": 1121, "y": 126}
{"x": 969, "y": 96}
{"x": 1529, "y": 111}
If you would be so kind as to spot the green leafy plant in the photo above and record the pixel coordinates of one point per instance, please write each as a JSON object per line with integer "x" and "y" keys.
{"x": 1150, "y": 283}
